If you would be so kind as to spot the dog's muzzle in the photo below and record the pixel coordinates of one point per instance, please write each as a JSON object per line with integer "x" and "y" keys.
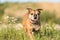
{"x": 33, "y": 21}
{"x": 35, "y": 16}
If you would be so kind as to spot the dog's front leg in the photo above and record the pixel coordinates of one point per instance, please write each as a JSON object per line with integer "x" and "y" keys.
{"x": 38, "y": 28}
{"x": 30, "y": 35}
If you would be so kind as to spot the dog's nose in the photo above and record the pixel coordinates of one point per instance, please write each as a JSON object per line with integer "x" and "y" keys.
{"x": 35, "y": 16}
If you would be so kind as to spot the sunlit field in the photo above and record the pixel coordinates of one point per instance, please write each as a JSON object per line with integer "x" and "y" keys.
{"x": 11, "y": 24}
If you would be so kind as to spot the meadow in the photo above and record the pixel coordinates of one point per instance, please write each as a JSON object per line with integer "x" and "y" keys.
{"x": 10, "y": 30}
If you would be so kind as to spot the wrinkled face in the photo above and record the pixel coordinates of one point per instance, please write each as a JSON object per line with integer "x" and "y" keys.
{"x": 34, "y": 15}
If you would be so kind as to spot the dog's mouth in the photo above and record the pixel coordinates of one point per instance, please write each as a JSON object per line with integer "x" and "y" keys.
{"x": 34, "y": 21}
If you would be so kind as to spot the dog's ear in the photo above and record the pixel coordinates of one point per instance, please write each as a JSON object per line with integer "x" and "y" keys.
{"x": 39, "y": 10}
{"x": 29, "y": 9}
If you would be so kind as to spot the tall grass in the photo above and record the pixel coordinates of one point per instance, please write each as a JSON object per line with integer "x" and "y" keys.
{"x": 1, "y": 10}
{"x": 47, "y": 16}
{"x": 10, "y": 33}
{"x": 46, "y": 33}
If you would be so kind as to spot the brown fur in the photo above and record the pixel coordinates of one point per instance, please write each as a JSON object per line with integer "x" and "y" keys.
{"x": 28, "y": 26}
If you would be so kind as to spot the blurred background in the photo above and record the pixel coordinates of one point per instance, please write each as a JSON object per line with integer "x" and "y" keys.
{"x": 17, "y": 8}
{"x": 12, "y": 12}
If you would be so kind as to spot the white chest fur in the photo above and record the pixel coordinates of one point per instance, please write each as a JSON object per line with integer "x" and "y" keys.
{"x": 35, "y": 26}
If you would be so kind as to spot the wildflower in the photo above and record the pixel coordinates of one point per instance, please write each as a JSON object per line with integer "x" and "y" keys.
{"x": 6, "y": 17}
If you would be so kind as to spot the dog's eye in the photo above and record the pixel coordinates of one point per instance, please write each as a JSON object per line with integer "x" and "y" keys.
{"x": 31, "y": 13}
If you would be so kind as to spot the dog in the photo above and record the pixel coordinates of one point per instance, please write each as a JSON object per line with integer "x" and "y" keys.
{"x": 31, "y": 22}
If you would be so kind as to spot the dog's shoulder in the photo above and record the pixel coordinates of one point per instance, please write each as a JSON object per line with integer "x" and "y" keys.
{"x": 25, "y": 17}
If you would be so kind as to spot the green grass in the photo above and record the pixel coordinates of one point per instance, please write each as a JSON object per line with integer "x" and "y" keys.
{"x": 47, "y": 16}
{"x": 10, "y": 33}
{"x": 47, "y": 32}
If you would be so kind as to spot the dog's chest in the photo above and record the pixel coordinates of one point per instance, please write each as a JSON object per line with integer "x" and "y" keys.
{"x": 34, "y": 26}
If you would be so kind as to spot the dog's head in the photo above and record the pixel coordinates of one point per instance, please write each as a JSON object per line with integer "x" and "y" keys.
{"x": 34, "y": 15}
